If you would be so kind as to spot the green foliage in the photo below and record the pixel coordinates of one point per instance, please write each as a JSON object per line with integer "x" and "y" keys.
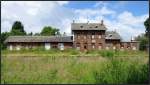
{"x": 48, "y": 30}
{"x": 147, "y": 26}
{"x": 37, "y": 34}
{"x": 18, "y": 29}
{"x": 4, "y": 35}
{"x": 143, "y": 42}
{"x": 30, "y": 34}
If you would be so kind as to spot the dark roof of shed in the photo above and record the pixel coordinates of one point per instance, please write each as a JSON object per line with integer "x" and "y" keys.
{"x": 39, "y": 39}
{"x": 112, "y": 35}
{"x": 87, "y": 26}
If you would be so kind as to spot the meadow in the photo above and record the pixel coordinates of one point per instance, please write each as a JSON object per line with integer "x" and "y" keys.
{"x": 72, "y": 66}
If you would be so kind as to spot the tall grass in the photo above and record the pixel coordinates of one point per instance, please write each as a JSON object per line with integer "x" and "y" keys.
{"x": 93, "y": 70}
{"x": 40, "y": 51}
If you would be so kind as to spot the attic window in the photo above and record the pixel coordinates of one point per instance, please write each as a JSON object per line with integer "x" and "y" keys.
{"x": 81, "y": 26}
{"x": 96, "y": 26}
{"x": 110, "y": 35}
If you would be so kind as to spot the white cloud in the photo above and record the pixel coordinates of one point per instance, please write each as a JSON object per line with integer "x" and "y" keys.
{"x": 62, "y": 2}
{"x": 101, "y": 3}
{"x": 36, "y": 14}
{"x": 127, "y": 24}
{"x": 106, "y": 11}
{"x": 128, "y": 18}
{"x": 94, "y": 12}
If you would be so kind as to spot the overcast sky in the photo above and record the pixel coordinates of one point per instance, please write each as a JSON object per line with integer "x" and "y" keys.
{"x": 126, "y": 17}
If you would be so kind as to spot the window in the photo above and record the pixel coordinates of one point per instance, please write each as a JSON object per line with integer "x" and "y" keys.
{"x": 134, "y": 48}
{"x": 84, "y": 47}
{"x": 78, "y": 35}
{"x": 100, "y": 36}
{"x": 128, "y": 45}
{"x": 96, "y": 26}
{"x": 110, "y": 35}
{"x": 18, "y": 47}
{"x": 47, "y": 46}
{"x": 93, "y": 45}
{"x": 114, "y": 47}
{"x": 100, "y": 46}
{"x": 84, "y": 36}
{"x": 10, "y": 47}
{"x": 93, "y": 35}
{"x": 107, "y": 48}
{"x": 122, "y": 45}
{"x": 81, "y": 26}
{"x": 78, "y": 46}
{"x": 54, "y": 45}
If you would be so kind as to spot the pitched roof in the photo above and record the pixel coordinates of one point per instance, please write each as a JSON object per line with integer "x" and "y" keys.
{"x": 112, "y": 35}
{"x": 38, "y": 39}
{"x": 87, "y": 26}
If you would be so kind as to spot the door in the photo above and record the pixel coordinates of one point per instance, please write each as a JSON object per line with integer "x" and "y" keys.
{"x": 47, "y": 46}
{"x": 10, "y": 47}
{"x": 61, "y": 46}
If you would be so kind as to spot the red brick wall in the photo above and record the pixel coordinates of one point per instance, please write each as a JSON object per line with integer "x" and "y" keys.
{"x": 86, "y": 43}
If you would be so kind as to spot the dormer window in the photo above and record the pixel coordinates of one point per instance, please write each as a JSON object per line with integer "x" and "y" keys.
{"x": 81, "y": 26}
{"x": 110, "y": 35}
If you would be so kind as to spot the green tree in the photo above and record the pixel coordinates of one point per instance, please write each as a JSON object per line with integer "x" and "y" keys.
{"x": 146, "y": 24}
{"x": 4, "y": 35}
{"x": 143, "y": 41}
{"x": 37, "y": 34}
{"x": 18, "y": 29}
{"x": 143, "y": 38}
{"x": 30, "y": 34}
{"x": 48, "y": 30}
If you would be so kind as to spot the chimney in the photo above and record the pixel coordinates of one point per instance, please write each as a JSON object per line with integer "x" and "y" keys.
{"x": 101, "y": 22}
{"x": 87, "y": 22}
{"x": 73, "y": 21}
{"x": 132, "y": 39}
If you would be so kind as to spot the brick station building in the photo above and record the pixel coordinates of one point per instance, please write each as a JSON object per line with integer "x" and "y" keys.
{"x": 85, "y": 36}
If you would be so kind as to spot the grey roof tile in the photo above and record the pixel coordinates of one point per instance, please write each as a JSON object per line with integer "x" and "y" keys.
{"x": 112, "y": 35}
{"x": 87, "y": 26}
{"x": 39, "y": 39}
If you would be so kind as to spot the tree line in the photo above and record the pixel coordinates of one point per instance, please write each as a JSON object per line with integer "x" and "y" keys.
{"x": 143, "y": 38}
{"x": 18, "y": 30}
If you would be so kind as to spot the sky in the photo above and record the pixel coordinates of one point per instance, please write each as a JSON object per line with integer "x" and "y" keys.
{"x": 126, "y": 17}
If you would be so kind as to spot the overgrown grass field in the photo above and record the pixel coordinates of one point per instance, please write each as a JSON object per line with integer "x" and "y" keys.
{"x": 72, "y": 66}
